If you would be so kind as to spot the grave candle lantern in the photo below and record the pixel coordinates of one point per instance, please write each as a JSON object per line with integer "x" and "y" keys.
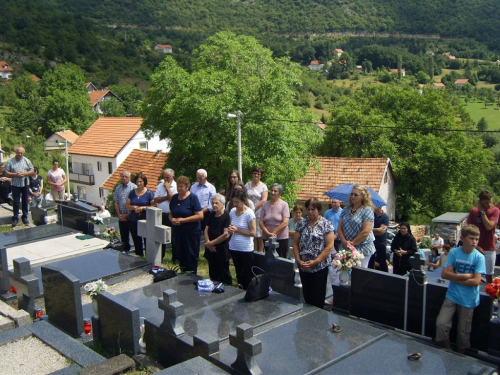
{"x": 87, "y": 326}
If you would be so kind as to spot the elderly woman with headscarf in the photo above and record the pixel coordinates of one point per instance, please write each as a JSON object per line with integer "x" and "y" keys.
{"x": 356, "y": 223}
{"x": 403, "y": 246}
{"x": 274, "y": 219}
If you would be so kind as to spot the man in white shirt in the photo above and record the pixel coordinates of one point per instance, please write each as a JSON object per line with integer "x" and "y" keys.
{"x": 164, "y": 192}
{"x": 204, "y": 190}
{"x": 437, "y": 243}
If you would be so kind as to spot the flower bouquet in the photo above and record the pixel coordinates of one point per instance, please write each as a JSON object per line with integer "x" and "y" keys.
{"x": 346, "y": 259}
{"x": 110, "y": 233}
{"x": 96, "y": 220}
{"x": 493, "y": 289}
{"x": 94, "y": 287}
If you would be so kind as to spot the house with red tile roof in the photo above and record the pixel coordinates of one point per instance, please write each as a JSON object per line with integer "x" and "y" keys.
{"x": 338, "y": 52}
{"x": 5, "y": 70}
{"x": 163, "y": 48}
{"x": 315, "y": 65}
{"x": 328, "y": 172}
{"x": 461, "y": 82}
{"x": 403, "y": 72}
{"x": 151, "y": 163}
{"x": 34, "y": 78}
{"x": 438, "y": 85}
{"x": 102, "y": 149}
{"x": 58, "y": 140}
{"x": 99, "y": 96}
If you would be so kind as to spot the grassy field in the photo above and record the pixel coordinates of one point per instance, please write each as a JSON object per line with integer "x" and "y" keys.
{"x": 490, "y": 113}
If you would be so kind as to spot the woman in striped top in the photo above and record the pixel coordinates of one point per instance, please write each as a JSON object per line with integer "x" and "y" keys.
{"x": 242, "y": 231}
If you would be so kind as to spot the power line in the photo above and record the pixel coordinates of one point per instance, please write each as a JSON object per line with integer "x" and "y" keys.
{"x": 377, "y": 126}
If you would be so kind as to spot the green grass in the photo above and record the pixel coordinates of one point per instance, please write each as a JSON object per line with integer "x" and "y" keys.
{"x": 491, "y": 114}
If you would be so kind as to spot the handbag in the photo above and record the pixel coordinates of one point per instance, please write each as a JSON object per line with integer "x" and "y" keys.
{"x": 259, "y": 286}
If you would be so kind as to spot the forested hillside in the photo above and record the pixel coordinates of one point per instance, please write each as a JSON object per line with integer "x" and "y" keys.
{"x": 478, "y": 19}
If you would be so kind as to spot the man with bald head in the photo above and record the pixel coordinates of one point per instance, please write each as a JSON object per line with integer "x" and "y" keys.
{"x": 204, "y": 190}
{"x": 19, "y": 169}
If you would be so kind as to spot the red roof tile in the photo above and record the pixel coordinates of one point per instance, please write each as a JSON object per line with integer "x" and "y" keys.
{"x": 107, "y": 136}
{"x": 330, "y": 172}
{"x": 461, "y": 81}
{"x": 148, "y": 162}
{"x": 34, "y": 78}
{"x": 4, "y": 67}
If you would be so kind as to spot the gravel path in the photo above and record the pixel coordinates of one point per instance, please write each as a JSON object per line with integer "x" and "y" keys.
{"x": 30, "y": 356}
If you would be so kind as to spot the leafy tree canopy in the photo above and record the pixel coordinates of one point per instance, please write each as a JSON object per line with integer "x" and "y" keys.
{"x": 436, "y": 170}
{"x": 232, "y": 73}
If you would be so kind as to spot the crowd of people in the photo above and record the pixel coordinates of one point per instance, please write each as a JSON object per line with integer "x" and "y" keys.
{"x": 235, "y": 222}
{"x": 21, "y": 183}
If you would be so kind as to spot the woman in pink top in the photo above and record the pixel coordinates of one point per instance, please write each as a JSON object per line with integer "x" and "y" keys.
{"x": 274, "y": 219}
{"x": 56, "y": 179}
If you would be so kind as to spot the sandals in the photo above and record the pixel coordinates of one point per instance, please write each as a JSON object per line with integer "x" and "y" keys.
{"x": 335, "y": 328}
{"x": 414, "y": 357}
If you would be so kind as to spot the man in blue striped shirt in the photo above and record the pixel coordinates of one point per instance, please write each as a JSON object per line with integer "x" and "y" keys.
{"x": 19, "y": 169}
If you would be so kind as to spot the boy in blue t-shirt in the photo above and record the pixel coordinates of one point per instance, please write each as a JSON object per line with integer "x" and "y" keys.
{"x": 463, "y": 268}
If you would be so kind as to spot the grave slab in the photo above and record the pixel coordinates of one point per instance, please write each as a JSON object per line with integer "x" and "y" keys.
{"x": 32, "y": 234}
{"x": 146, "y": 298}
{"x": 193, "y": 366}
{"x": 99, "y": 264}
{"x": 389, "y": 355}
{"x": 305, "y": 344}
{"x": 54, "y": 249}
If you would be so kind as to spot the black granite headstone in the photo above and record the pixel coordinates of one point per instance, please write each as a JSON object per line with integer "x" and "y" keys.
{"x": 63, "y": 300}
{"x": 280, "y": 270}
{"x": 76, "y": 215}
{"x": 379, "y": 296}
{"x": 4, "y": 271}
{"x": 120, "y": 324}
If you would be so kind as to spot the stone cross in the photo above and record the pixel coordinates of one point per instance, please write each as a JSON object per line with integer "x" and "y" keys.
{"x": 248, "y": 347}
{"x": 172, "y": 311}
{"x": 26, "y": 285}
{"x": 271, "y": 251}
{"x": 155, "y": 234}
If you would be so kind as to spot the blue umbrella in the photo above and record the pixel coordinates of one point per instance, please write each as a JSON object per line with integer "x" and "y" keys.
{"x": 342, "y": 193}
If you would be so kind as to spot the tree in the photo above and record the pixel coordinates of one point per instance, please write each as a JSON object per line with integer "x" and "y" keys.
{"x": 482, "y": 124}
{"x": 112, "y": 108}
{"x": 130, "y": 96}
{"x": 436, "y": 171}
{"x": 232, "y": 73}
{"x": 67, "y": 101}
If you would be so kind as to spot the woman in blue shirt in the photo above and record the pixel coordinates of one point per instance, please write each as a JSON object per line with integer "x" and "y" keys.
{"x": 137, "y": 202}
{"x": 185, "y": 215}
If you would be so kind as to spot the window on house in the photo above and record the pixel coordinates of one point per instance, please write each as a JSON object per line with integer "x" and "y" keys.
{"x": 386, "y": 178}
{"x": 143, "y": 145}
{"x": 82, "y": 193}
{"x": 101, "y": 193}
{"x": 99, "y": 166}
{"x": 110, "y": 167}
{"x": 85, "y": 168}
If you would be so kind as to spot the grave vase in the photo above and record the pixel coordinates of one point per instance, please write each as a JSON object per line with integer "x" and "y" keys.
{"x": 344, "y": 278}
{"x": 95, "y": 308}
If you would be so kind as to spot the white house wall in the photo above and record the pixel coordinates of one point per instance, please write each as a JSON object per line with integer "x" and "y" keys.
{"x": 388, "y": 193}
{"x": 100, "y": 177}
